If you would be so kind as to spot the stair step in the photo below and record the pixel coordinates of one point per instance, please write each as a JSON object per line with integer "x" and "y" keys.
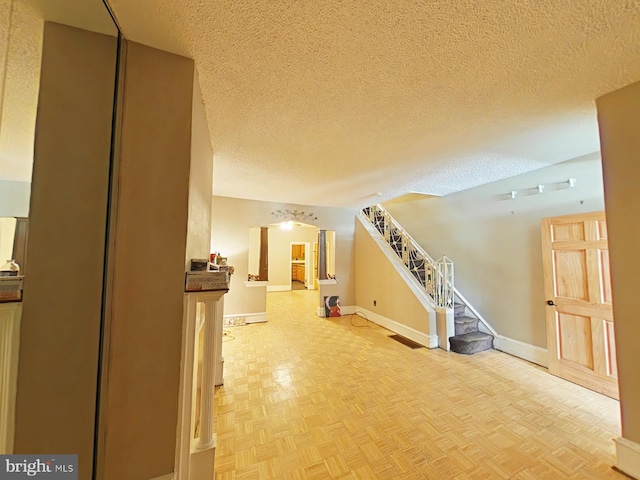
{"x": 459, "y": 309}
{"x": 465, "y": 325}
{"x": 470, "y": 343}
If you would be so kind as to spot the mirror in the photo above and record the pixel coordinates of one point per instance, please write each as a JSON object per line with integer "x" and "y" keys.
{"x": 58, "y": 62}
{"x": 21, "y": 33}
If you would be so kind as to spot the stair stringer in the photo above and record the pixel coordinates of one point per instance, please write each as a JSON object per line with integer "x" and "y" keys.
{"x": 421, "y": 295}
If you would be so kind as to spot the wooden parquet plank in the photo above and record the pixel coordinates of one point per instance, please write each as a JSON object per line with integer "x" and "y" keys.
{"x": 314, "y": 398}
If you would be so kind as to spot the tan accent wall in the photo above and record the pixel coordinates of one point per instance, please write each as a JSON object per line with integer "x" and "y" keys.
{"x": 376, "y": 279}
{"x": 59, "y": 339}
{"x": 142, "y": 381}
{"x": 619, "y": 117}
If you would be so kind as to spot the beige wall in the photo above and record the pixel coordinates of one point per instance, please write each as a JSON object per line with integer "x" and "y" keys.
{"x": 14, "y": 198}
{"x": 59, "y": 339}
{"x": 7, "y": 233}
{"x": 200, "y": 180}
{"x": 494, "y": 241}
{"x": 619, "y": 117}
{"x": 376, "y": 279}
{"x": 230, "y": 235}
{"x": 280, "y": 250}
{"x": 143, "y": 360}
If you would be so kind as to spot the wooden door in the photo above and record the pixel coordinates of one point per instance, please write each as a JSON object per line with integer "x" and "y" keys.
{"x": 580, "y": 337}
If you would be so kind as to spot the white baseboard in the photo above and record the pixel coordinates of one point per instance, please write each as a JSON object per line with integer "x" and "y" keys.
{"x": 628, "y": 457}
{"x": 256, "y": 317}
{"x": 526, "y": 351}
{"x": 429, "y": 341}
{"x": 278, "y": 288}
{"x": 249, "y": 317}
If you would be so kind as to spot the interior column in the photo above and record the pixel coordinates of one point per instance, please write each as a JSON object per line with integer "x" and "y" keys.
{"x": 619, "y": 117}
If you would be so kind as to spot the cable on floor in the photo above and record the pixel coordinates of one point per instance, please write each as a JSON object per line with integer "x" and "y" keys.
{"x": 226, "y": 336}
{"x": 361, "y": 315}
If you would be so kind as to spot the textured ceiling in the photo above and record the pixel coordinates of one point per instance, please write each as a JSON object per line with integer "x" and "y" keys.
{"x": 332, "y": 102}
{"x": 21, "y": 29}
{"x": 20, "y": 52}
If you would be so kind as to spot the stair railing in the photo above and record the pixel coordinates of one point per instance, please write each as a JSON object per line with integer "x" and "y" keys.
{"x": 435, "y": 277}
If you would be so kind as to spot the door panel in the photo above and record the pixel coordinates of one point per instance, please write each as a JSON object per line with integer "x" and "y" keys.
{"x": 571, "y": 274}
{"x": 580, "y": 330}
{"x": 569, "y": 231}
{"x": 574, "y": 335}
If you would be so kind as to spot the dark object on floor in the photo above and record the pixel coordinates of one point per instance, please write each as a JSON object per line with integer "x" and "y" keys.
{"x": 406, "y": 341}
{"x": 468, "y": 339}
{"x": 471, "y": 342}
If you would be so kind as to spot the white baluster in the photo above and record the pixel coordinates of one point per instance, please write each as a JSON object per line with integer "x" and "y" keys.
{"x": 10, "y": 314}
{"x": 207, "y": 391}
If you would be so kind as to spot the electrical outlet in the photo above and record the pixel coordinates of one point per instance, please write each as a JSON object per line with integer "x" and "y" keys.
{"x": 375, "y": 303}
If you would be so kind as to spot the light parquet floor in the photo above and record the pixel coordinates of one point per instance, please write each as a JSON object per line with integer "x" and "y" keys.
{"x": 314, "y": 398}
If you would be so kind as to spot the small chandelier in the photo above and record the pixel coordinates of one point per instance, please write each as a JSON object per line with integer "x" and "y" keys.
{"x": 293, "y": 215}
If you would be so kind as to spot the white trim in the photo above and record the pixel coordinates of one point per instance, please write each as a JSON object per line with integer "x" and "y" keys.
{"x": 329, "y": 281}
{"x": 429, "y": 341}
{"x": 257, "y": 283}
{"x": 168, "y": 476}
{"x": 526, "y": 351}
{"x": 628, "y": 456}
{"x": 279, "y": 288}
{"x": 255, "y": 317}
{"x": 446, "y": 327}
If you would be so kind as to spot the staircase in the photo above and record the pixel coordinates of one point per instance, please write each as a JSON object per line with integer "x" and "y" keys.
{"x": 468, "y": 339}
{"x": 421, "y": 266}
